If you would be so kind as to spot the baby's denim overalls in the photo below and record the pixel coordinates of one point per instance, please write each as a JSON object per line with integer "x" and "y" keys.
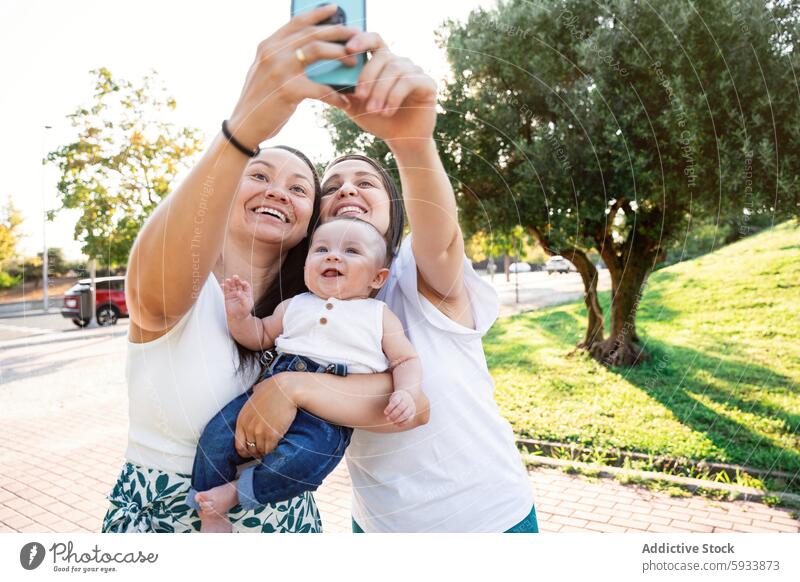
{"x": 307, "y": 453}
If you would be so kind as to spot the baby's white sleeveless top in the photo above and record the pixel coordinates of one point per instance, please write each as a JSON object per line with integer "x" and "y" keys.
{"x": 335, "y": 331}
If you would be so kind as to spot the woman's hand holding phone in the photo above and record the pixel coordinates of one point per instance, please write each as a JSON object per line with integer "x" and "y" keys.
{"x": 276, "y": 82}
{"x": 395, "y": 100}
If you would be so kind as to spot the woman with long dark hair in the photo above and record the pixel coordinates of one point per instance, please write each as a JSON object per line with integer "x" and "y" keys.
{"x": 239, "y": 211}
{"x": 461, "y": 472}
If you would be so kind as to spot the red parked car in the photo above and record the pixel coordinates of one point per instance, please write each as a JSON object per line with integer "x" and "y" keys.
{"x": 109, "y": 304}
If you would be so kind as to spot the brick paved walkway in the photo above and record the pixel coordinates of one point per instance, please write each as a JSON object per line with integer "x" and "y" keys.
{"x": 63, "y": 425}
{"x": 566, "y": 503}
{"x": 57, "y": 466}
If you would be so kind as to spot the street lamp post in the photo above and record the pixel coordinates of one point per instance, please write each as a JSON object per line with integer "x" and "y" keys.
{"x": 45, "y": 266}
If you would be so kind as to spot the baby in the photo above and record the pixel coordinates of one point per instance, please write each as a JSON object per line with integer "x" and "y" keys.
{"x": 336, "y": 328}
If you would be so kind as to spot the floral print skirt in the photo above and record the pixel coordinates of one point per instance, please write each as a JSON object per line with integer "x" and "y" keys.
{"x": 149, "y": 500}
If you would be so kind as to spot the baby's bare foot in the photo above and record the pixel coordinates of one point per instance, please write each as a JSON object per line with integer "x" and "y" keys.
{"x": 214, "y": 523}
{"x": 214, "y": 505}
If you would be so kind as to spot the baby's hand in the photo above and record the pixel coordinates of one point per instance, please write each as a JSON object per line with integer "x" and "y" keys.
{"x": 401, "y": 408}
{"x": 238, "y": 297}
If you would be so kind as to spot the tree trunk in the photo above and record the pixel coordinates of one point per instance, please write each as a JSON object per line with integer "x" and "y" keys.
{"x": 628, "y": 279}
{"x": 588, "y": 272}
{"x": 595, "y": 321}
{"x": 506, "y": 265}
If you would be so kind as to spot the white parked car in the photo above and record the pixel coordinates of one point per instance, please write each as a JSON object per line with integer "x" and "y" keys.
{"x": 519, "y": 268}
{"x": 558, "y": 264}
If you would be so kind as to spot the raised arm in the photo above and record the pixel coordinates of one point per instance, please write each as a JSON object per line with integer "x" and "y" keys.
{"x": 437, "y": 241}
{"x": 181, "y": 242}
{"x": 254, "y": 333}
{"x": 396, "y": 101}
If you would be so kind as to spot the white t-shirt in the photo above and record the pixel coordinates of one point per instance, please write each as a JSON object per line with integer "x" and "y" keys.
{"x": 179, "y": 381}
{"x": 335, "y": 331}
{"x": 462, "y": 471}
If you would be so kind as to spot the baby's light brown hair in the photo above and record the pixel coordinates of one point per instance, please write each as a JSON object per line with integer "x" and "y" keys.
{"x": 378, "y": 240}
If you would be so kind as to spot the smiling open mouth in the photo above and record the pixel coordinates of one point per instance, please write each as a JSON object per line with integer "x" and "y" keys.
{"x": 350, "y": 210}
{"x": 331, "y": 273}
{"x": 265, "y": 211}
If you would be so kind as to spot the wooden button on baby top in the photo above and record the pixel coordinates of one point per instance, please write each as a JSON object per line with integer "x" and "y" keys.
{"x": 323, "y": 320}
{"x": 329, "y": 306}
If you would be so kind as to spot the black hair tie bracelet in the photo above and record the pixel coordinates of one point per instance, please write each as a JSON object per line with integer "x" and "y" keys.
{"x": 237, "y": 144}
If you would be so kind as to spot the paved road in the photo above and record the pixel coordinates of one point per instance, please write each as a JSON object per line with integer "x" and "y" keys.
{"x": 529, "y": 291}
{"x": 537, "y": 290}
{"x": 36, "y": 323}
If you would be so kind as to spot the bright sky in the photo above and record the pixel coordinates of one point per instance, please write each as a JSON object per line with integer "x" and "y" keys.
{"x": 201, "y": 50}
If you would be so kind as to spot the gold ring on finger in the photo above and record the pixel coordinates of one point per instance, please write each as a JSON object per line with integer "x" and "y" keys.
{"x": 301, "y": 56}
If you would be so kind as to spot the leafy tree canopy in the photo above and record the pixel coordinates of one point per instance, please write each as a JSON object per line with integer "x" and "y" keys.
{"x": 123, "y": 162}
{"x": 10, "y": 221}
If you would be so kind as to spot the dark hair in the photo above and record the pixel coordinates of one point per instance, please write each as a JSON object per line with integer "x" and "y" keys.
{"x": 394, "y": 235}
{"x": 289, "y": 281}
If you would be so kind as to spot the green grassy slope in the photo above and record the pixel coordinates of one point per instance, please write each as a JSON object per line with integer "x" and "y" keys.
{"x": 723, "y": 382}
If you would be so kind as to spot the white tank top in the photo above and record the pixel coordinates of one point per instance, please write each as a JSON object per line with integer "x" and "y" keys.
{"x": 179, "y": 381}
{"x": 335, "y": 331}
{"x": 461, "y": 472}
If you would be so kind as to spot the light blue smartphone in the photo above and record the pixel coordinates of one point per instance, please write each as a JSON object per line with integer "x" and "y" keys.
{"x": 350, "y": 13}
